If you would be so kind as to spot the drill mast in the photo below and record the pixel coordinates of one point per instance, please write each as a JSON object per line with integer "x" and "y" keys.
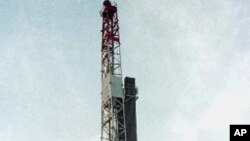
{"x": 113, "y": 116}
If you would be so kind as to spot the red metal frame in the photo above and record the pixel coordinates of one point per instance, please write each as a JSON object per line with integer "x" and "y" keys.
{"x": 110, "y": 39}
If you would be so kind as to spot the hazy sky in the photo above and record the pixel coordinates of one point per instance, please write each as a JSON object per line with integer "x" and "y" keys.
{"x": 191, "y": 60}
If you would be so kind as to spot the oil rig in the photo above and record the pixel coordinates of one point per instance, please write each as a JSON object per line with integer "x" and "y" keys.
{"x": 118, "y": 101}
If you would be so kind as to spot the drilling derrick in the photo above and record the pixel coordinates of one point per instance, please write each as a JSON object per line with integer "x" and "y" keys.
{"x": 118, "y": 105}
{"x": 113, "y": 117}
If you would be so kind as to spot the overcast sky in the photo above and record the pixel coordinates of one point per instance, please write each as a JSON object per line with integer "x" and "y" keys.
{"x": 191, "y": 60}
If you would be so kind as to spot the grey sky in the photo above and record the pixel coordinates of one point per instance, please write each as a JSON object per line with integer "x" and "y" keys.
{"x": 191, "y": 60}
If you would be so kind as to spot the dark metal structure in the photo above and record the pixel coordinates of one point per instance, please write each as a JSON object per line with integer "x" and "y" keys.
{"x": 130, "y": 108}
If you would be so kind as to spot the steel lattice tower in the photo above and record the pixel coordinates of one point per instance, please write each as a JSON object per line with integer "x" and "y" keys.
{"x": 113, "y": 126}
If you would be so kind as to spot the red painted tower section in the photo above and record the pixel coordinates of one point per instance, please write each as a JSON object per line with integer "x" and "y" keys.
{"x": 110, "y": 40}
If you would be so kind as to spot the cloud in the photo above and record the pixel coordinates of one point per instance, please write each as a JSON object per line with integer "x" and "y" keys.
{"x": 190, "y": 60}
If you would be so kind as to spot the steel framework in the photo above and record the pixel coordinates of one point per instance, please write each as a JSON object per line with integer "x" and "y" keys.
{"x": 112, "y": 110}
